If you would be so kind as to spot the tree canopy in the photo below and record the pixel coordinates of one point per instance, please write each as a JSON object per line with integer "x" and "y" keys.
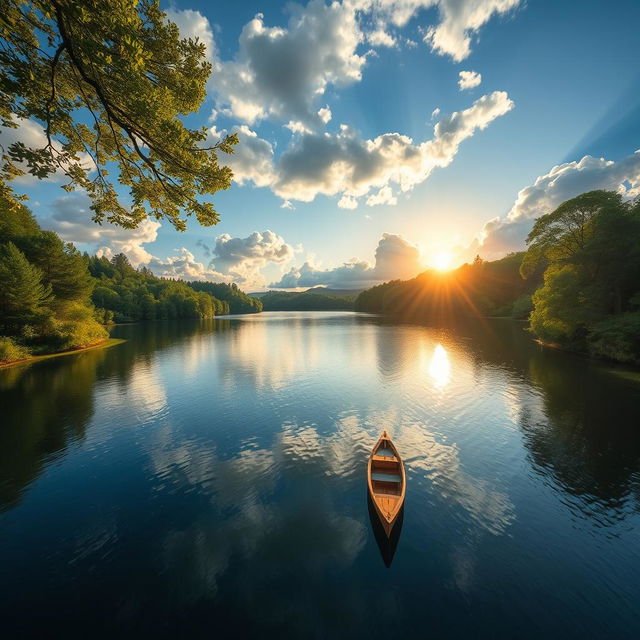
{"x": 45, "y": 302}
{"x": 590, "y": 246}
{"x": 109, "y": 82}
{"x": 125, "y": 294}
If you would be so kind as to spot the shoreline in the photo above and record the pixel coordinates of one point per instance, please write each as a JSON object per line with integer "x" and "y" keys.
{"x": 103, "y": 344}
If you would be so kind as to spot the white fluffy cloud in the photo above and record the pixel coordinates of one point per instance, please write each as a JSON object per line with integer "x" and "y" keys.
{"x": 551, "y": 189}
{"x": 253, "y": 252}
{"x": 281, "y": 72}
{"x": 184, "y": 266}
{"x": 346, "y": 165}
{"x": 232, "y": 259}
{"x": 458, "y": 20}
{"x": 469, "y": 80}
{"x": 380, "y": 37}
{"x": 395, "y": 258}
{"x": 71, "y": 220}
{"x": 252, "y": 159}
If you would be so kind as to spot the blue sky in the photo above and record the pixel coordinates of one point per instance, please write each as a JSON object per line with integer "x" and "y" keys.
{"x": 559, "y": 81}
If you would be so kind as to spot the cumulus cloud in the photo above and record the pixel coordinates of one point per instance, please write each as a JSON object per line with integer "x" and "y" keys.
{"x": 380, "y": 37}
{"x": 384, "y": 196}
{"x": 256, "y": 250}
{"x": 325, "y": 114}
{"x": 71, "y": 220}
{"x": 345, "y": 164}
{"x": 281, "y": 72}
{"x": 551, "y": 189}
{"x": 252, "y": 159}
{"x": 395, "y": 258}
{"x": 231, "y": 259}
{"x": 238, "y": 260}
{"x": 458, "y": 20}
{"x": 184, "y": 266}
{"x": 469, "y": 80}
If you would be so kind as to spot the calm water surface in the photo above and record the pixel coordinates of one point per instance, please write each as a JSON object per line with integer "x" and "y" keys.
{"x": 208, "y": 479}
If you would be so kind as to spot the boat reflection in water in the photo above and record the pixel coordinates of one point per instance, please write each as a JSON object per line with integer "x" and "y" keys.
{"x": 386, "y": 544}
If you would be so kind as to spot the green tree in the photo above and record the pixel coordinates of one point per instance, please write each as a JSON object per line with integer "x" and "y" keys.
{"x": 24, "y": 296}
{"x": 590, "y": 246}
{"x": 62, "y": 265}
{"x": 110, "y": 82}
{"x": 565, "y": 306}
{"x": 564, "y": 234}
{"x": 15, "y": 219}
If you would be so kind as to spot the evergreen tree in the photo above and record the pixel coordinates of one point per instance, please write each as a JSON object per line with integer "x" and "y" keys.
{"x": 24, "y": 297}
{"x": 62, "y": 266}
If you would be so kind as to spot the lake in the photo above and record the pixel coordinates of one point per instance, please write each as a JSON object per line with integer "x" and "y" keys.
{"x": 208, "y": 479}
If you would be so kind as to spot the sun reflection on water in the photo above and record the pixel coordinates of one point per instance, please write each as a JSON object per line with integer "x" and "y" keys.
{"x": 440, "y": 367}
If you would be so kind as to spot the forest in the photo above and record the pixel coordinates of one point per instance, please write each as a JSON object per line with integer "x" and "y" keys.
{"x": 238, "y": 301}
{"x": 577, "y": 284}
{"x": 305, "y": 301}
{"x": 58, "y": 299}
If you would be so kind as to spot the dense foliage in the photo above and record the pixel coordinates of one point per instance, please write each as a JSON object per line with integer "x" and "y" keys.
{"x": 125, "y": 294}
{"x": 109, "y": 83}
{"x": 480, "y": 288}
{"x": 578, "y": 283}
{"x": 237, "y": 300}
{"x": 590, "y": 250}
{"x": 54, "y": 299}
{"x": 45, "y": 303}
{"x": 305, "y": 301}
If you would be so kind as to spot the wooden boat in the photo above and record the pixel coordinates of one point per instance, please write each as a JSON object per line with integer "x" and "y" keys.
{"x": 387, "y": 481}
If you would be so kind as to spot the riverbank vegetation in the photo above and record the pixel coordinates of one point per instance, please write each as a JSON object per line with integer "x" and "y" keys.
{"x": 55, "y": 299}
{"x": 578, "y": 283}
{"x": 124, "y": 294}
{"x": 45, "y": 304}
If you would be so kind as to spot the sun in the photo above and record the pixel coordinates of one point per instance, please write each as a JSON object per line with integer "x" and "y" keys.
{"x": 442, "y": 261}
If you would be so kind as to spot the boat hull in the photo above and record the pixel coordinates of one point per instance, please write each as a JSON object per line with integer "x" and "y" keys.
{"x": 387, "y": 525}
{"x": 387, "y": 504}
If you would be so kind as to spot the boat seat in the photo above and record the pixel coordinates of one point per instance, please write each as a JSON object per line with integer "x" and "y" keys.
{"x": 385, "y": 460}
{"x": 386, "y": 477}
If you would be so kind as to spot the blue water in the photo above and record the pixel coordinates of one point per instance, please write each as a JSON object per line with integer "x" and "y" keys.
{"x": 208, "y": 479}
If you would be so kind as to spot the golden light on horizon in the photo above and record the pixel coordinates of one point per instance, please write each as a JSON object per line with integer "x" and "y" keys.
{"x": 442, "y": 261}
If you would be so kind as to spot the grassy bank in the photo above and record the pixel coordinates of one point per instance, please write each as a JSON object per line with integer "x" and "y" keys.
{"x": 103, "y": 344}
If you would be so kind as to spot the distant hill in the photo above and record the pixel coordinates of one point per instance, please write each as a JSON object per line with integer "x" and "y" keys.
{"x": 305, "y": 301}
{"x": 323, "y": 291}
{"x": 337, "y": 293}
